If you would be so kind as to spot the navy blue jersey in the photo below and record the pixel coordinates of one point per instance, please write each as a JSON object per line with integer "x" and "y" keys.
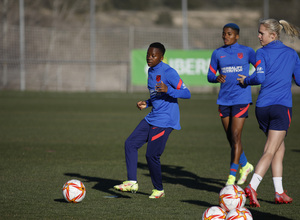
{"x": 231, "y": 61}
{"x": 165, "y": 108}
{"x": 276, "y": 64}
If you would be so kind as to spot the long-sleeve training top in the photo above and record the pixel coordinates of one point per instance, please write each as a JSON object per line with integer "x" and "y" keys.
{"x": 231, "y": 61}
{"x": 276, "y": 65}
{"x": 165, "y": 109}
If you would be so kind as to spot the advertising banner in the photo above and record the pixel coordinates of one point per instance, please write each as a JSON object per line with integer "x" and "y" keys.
{"x": 191, "y": 65}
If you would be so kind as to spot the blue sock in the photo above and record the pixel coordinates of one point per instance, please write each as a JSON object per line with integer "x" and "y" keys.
{"x": 243, "y": 160}
{"x": 233, "y": 169}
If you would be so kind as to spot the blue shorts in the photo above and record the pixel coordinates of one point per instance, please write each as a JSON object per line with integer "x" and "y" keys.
{"x": 274, "y": 117}
{"x": 238, "y": 111}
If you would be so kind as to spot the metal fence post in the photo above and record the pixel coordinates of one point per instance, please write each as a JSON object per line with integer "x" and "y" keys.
{"x": 266, "y": 9}
{"x": 4, "y": 29}
{"x": 92, "y": 46}
{"x": 22, "y": 46}
{"x": 130, "y": 48}
{"x": 185, "y": 34}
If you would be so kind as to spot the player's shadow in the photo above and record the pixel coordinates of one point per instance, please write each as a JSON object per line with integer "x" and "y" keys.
{"x": 200, "y": 203}
{"x": 177, "y": 175}
{"x": 102, "y": 184}
{"x": 296, "y": 150}
{"x": 60, "y": 200}
{"x": 256, "y": 214}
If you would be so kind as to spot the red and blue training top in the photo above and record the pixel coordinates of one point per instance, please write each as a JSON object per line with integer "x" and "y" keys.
{"x": 231, "y": 61}
{"x": 276, "y": 64}
{"x": 165, "y": 109}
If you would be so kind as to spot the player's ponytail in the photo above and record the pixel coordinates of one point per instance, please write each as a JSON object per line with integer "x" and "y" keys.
{"x": 289, "y": 29}
{"x": 275, "y": 26}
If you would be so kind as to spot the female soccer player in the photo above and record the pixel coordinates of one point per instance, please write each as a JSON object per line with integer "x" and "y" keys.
{"x": 276, "y": 65}
{"x": 165, "y": 86}
{"x": 234, "y": 99}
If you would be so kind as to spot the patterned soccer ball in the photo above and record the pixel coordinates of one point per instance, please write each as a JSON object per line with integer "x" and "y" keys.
{"x": 232, "y": 197}
{"x": 214, "y": 213}
{"x": 74, "y": 191}
{"x": 239, "y": 214}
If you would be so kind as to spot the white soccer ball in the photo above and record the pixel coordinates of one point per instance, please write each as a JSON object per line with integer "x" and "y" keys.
{"x": 74, "y": 191}
{"x": 239, "y": 214}
{"x": 232, "y": 197}
{"x": 214, "y": 213}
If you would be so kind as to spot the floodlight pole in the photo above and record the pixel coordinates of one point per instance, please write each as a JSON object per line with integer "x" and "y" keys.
{"x": 185, "y": 34}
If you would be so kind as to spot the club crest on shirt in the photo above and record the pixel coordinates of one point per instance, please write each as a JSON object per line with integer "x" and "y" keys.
{"x": 158, "y": 78}
{"x": 240, "y": 55}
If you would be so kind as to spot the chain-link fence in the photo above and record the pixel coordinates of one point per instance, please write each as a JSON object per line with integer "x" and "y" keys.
{"x": 65, "y": 60}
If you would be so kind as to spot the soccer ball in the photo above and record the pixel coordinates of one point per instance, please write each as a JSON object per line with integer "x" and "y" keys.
{"x": 214, "y": 213}
{"x": 74, "y": 191}
{"x": 239, "y": 214}
{"x": 232, "y": 197}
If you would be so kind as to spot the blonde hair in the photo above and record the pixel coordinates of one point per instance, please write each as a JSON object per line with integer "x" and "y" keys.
{"x": 275, "y": 26}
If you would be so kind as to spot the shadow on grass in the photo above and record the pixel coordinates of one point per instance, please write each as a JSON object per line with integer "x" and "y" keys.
{"x": 177, "y": 175}
{"x": 256, "y": 214}
{"x": 102, "y": 184}
{"x": 171, "y": 174}
{"x": 174, "y": 175}
{"x": 60, "y": 200}
{"x": 199, "y": 203}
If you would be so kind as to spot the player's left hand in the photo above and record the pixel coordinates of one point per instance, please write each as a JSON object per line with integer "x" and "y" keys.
{"x": 161, "y": 87}
{"x": 241, "y": 80}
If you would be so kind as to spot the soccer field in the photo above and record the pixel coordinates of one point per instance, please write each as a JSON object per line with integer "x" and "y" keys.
{"x": 47, "y": 139}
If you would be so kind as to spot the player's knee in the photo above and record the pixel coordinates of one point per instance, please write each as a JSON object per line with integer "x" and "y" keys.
{"x": 129, "y": 144}
{"x": 270, "y": 152}
{"x": 152, "y": 157}
{"x": 148, "y": 157}
{"x": 236, "y": 137}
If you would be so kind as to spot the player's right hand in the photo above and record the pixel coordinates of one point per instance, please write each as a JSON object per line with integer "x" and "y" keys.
{"x": 141, "y": 105}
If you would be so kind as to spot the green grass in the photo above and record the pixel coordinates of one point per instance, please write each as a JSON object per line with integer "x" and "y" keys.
{"x": 49, "y": 138}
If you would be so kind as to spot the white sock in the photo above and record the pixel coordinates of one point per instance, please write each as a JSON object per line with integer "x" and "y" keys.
{"x": 255, "y": 181}
{"x": 132, "y": 181}
{"x": 278, "y": 184}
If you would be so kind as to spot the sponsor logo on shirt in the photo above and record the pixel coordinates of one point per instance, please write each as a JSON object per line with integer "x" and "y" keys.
{"x": 222, "y": 56}
{"x": 259, "y": 70}
{"x": 154, "y": 93}
{"x": 232, "y": 69}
